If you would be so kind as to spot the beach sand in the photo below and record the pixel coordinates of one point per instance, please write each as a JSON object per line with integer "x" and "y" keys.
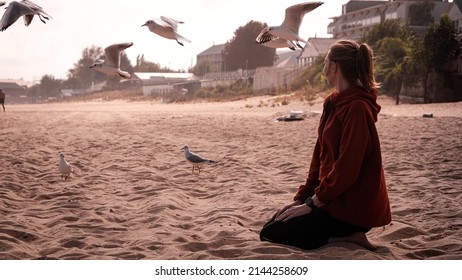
{"x": 133, "y": 195}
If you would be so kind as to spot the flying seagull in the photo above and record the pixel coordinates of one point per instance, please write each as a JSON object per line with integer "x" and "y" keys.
{"x": 26, "y": 9}
{"x": 289, "y": 28}
{"x": 111, "y": 66}
{"x": 195, "y": 160}
{"x": 167, "y": 28}
{"x": 64, "y": 167}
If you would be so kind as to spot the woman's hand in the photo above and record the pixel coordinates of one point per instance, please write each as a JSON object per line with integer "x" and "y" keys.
{"x": 279, "y": 212}
{"x": 293, "y": 211}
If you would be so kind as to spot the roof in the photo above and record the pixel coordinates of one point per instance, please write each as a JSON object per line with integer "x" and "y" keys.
{"x": 11, "y": 86}
{"x": 161, "y": 75}
{"x": 11, "y": 83}
{"x": 317, "y": 46}
{"x": 459, "y": 4}
{"x": 287, "y": 58}
{"x": 353, "y": 6}
{"x": 213, "y": 50}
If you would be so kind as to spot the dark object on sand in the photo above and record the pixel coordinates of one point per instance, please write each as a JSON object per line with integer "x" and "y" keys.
{"x": 292, "y": 116}
{"x": 427, "y": 115}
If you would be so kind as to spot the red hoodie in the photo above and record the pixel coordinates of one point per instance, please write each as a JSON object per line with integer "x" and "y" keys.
{"x": 346, "y": 170}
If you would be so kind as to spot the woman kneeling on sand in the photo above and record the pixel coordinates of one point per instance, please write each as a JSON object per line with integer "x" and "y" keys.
{"x": 345, "y": 193}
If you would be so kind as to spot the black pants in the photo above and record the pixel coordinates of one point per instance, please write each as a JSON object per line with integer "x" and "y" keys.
{"x": 307, "y": 231}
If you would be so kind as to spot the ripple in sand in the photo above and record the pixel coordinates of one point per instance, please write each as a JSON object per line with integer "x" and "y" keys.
{"x": 19, "y": 235}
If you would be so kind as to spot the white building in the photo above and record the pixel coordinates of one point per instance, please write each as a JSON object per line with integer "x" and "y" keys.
{"x": 359, "y": 17}
{"x": 316, "y": 47}
{"x": 162, "y": 84}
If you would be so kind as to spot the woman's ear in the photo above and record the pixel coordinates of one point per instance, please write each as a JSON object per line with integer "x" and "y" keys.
{"x": 333, "y": 68}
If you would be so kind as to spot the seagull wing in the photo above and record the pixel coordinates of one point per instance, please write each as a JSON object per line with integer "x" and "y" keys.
{"x": 170, "y": 22}
{"x": 14, "y": 11}
{"x": 295, "y": 14}
{"x": 113, "y": 53}
{"x": 36, "y": 8}
{"x": 265, "y": 36}
{"x": 194, "y": 158}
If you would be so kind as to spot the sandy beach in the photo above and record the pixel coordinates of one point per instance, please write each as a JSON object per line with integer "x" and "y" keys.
{"x": 133, "y": 195}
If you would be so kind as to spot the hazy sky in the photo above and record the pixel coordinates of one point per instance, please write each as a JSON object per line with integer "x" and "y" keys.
{"x": 53, "y": 48}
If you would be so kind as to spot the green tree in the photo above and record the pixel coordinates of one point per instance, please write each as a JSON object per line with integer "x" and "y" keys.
{"x": 420, "y": 13}
{"x": 440, "y": 46}
{"x": 393, "y": 48}
{"x": 48, "y": 87}
{"x": 142, "y": 65}
{"x": 392, "y": 28}
{"x": 201, "y": 68}
{"x": 241, "y": 52}
{"x": 391, "y": 64}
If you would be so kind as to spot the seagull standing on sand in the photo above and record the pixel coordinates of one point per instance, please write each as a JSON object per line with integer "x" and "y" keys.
{"x": 195, "y": 160}
{"x": 26, "y": 9}
{"x": 111, "y": 66}
{"x": 167, "y": 28}
{"x": 64, "y": 167}
{"x": 288, "y": 30}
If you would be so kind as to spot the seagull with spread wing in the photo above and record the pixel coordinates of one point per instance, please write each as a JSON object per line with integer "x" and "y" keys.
{"x": 167, "y": 28}
{"x": 287, "y": 33}
{"x": 26, "y": 9}
{"x": 111, "y": 65}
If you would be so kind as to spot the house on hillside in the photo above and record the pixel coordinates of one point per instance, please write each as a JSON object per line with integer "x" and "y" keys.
{"x": 15, "y": 90}
{"x": 359, "y": 17}
{"x": 455, "y": 13}
{"x": 214, "y": 57}
{"x": 315, "y": 48}
{"x": 164, "y": 84}
{"x": 289, "y": 66}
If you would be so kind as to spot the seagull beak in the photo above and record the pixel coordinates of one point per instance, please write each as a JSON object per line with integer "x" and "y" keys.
{"x": 143, "y": 25}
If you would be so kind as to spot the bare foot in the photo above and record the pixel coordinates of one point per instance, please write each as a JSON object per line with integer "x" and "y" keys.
{"x": 357, "y": 238}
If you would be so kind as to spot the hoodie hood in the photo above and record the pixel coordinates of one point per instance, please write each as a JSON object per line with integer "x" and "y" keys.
{"x": 338, "y": 99}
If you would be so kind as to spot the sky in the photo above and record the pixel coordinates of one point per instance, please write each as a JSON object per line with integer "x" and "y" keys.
{"x": 29, "y": 53}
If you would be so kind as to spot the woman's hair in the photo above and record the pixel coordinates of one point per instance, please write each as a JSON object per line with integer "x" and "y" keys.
{"x": 356, "y": 62}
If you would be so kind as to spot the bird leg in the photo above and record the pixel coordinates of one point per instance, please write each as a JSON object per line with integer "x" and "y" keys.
{"x": 179, "y": 43}
{"x": 300, "y": 46}
{"x": 41, "y": 19}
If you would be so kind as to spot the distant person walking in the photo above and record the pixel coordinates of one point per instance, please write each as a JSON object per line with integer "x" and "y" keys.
{"x": 2, "y": 99}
